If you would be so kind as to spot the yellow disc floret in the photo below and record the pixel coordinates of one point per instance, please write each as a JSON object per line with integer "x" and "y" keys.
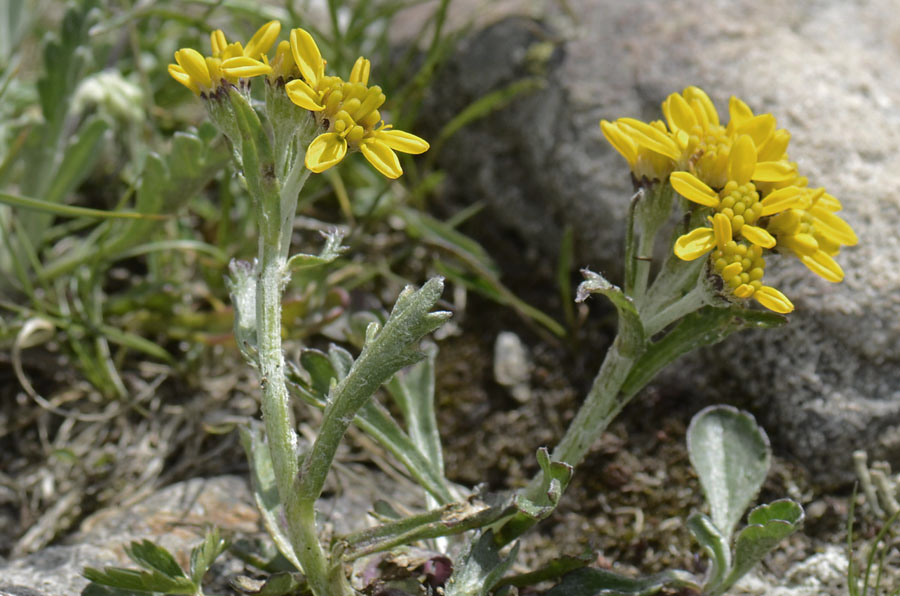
{"x": 741, "y": 266}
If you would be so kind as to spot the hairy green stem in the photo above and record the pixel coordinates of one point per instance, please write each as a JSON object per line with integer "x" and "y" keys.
{"x": 631, "y": 249}
{"x": 275, "y": 214}
{"x": 696, "y": 299}
{"x": 599, "y": 408}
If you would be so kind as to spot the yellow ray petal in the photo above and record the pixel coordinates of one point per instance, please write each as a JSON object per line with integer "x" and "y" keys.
{"x": 743, "y": 291}
{"x": 184, "y": 78}
{"x": 194, "y": 64}
{"x": 678, "y": 113}
{"x": 244, "y": 67}
{"x": 303, "y": 95}
{"x": 775, "y": 148}
{"x": 833, "y": 227}
{"x": 232, "y": 50}
{"x": 758, "y": 236}
{"x": 829, "y": 202}
{"x": 773, "y": 300}
{"x": 695, "y": 244}
{"x": 823, "y": 266}
{"x": 620, "y": 141}
{"x": 360, "y": 71}
{"x": 404, "y": 142}
{"x": 789, "y": 197}
{"x": 774, "y": 171}
{"x": 325, "y": 151}
{"x": 262, "y": 40}
{"x": 786, "y": 223}
{"x": 651, "y": 137}
{"x": 217, "y": 42}
{"x": 722, "y": 230}
{"x": 742, "y": 160}
{"x": 802, "y": 244}
{"x": 307, "y": 56}
{"x": 738, "y": 111}
{"x": 696, "y": 96}
{"x": 759, "y": 128}
{"x": 694, "y": 189}
{"x": 213, "y": 66}
{"x": 382, "y": 157}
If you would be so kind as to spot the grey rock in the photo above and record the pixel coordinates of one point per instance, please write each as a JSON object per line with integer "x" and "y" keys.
{"x": 176, "y": 518}
{"x": 827, "y": 383}
{"x": 822, "y": 574}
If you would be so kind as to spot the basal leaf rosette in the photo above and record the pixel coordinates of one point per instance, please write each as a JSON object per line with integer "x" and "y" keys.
{"x": 347, "y": 112}
{"x": 756, "y": 201}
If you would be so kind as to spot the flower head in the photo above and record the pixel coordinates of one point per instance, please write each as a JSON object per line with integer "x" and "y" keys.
{"x": 228, "y": 64}
{"x": 756, "y": 200}
{"x": 347, "y": 111}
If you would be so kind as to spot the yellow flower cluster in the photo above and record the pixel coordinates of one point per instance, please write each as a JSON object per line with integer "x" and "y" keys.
{"x": 347, "y": 112}
{"x": 229, "y": 62}
{"x": 741, "y": 173}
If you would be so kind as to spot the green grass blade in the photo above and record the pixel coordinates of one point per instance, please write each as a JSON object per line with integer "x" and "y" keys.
{"x": 70, "y": 210}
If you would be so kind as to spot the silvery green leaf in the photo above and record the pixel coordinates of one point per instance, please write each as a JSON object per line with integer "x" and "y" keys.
{"x": 330, "y": 252}
{"x": 324, "y": 372}
{"x": 265, "y": 490}
{"x": 481, "y": 569}
{"x": 413, "y": 392}
{"x": 705, "y": 327}
{"x": 715, "y": 545}
{"x": 341, "y": 360}
{"x": 478, "y": 511}
{"x": 252, "y": 144}
{"x": 241, "y": 285}
{"x": 600, "y": 582}
{"x": 731, "y": 455}
{"x": 768, "y": 525}
{"x": 386, "y": 351}
{"x": 320, "y": 371}
{"x": 631, "y": 340}
{"x": 554, "y": 480}
{"x": 277, "y": 584}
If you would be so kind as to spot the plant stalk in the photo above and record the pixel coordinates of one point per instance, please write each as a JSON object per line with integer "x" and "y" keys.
{"x": 599, "y": 408}
{"x": 275, "y": 220}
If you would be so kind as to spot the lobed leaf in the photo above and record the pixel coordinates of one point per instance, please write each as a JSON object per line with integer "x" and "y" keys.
{"x": 205, "y": 554}
{"x": 555, "y": 478}
{"x": 386, "y": 351}
{"x": 151, "y": 556}
{"x": 769, "y": 525}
